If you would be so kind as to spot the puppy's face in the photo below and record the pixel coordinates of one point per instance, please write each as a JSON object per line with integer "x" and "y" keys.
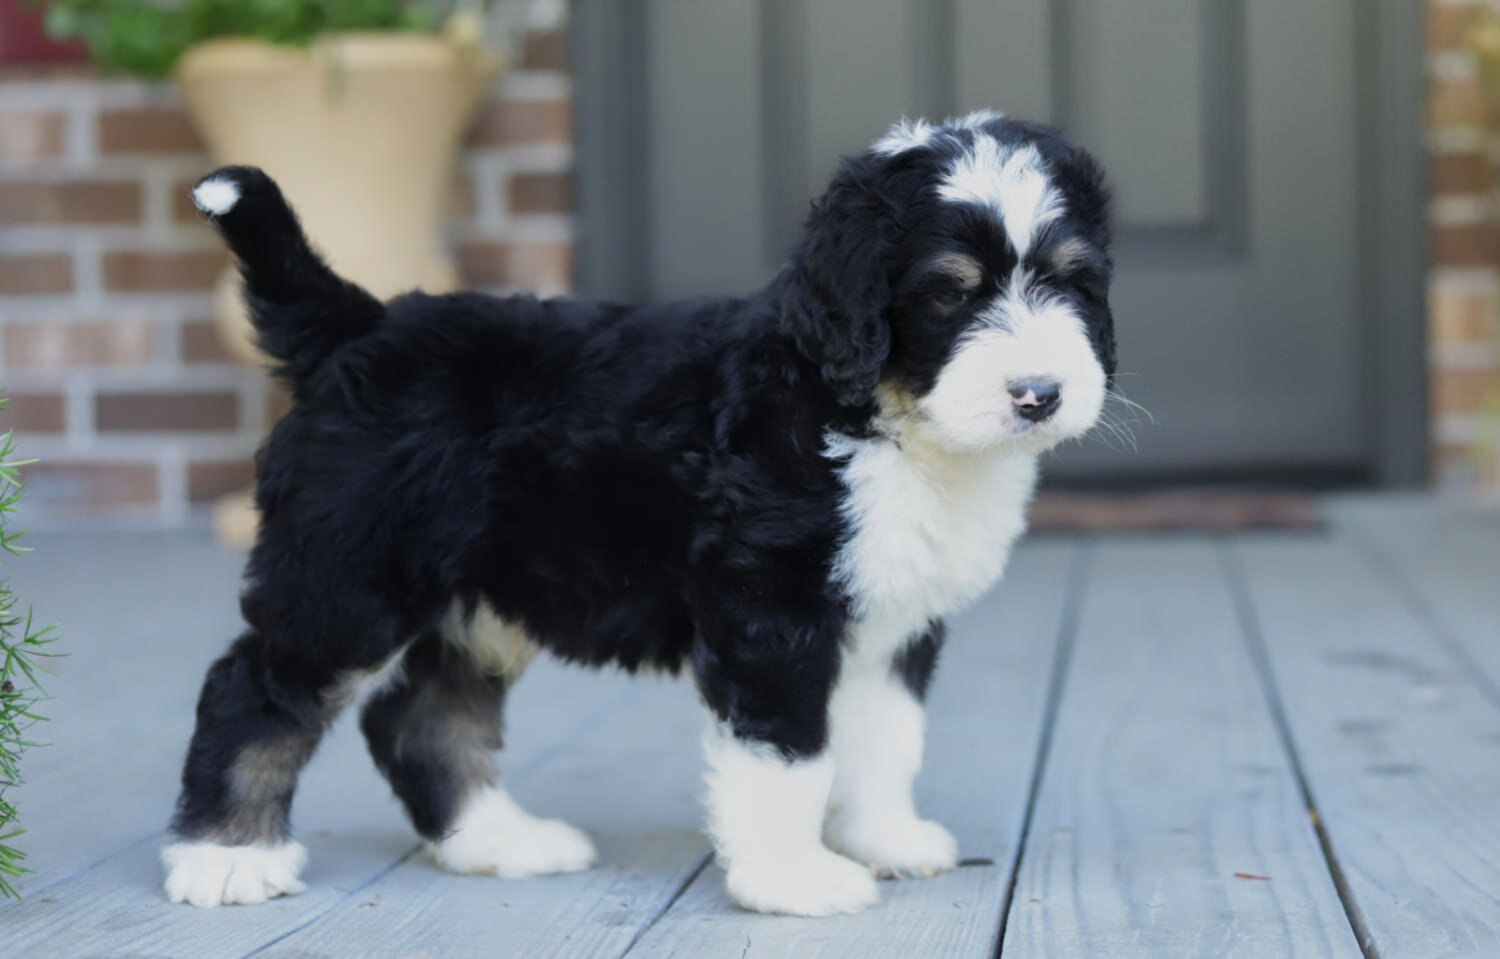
{"x": 986, "y": 320}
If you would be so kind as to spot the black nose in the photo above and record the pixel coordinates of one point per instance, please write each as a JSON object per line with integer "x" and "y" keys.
{"x": 1036, "y": 399}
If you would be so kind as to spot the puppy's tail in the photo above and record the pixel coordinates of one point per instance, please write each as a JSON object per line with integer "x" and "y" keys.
{"x": 302, "y": 310}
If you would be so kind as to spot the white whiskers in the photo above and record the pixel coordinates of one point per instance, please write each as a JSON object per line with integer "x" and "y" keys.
{"x": 1118, "y": 425}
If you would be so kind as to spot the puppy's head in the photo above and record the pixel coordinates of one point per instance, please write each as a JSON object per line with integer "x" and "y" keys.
{"x": 959, "y": 275}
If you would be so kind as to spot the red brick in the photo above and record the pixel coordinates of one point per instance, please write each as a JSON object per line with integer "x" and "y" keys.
{"x": 1456, "y": 102}
{"x": 519, "y": 265}
{"x": 35, "y": 413}
{"x": 90, "y": 485}
{"x": 1446, "y": 25}
{"x": 209, "y": 481}
{"x": 506, "y": 122}
{"x": 66, "y": 345}
{"x": 201, "y": 343}
{"x": 76, "y": 201}
{"x": 150, "y": 130}
{"x": 1464, "y": 390}
{"x": 27, "y": 136}
{"x": 546, "y": 50}
{"x": 461, "y": 202}
{"x": 541, "y": 193}
{"x": 166, "y": 412}
{"x": 1464, "y": 245}
{"x": 128, "y": 271}
{"x": 36, "y": 273}
{"x": 539, "y": 265}
{"x": 183, "y": 210}
{"x": 1461, "y": 173}
{"x": 1459, "y": 315}
{"x": 482, "y": 263}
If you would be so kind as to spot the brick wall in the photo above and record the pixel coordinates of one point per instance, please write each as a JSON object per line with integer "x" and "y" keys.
{"x": 1464, "y": 284}
{"x": 117, "y": 379}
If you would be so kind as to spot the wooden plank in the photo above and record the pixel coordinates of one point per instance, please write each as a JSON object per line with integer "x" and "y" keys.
{"x": 1444, "y": 561}
{"x": 1397, "y": 743}
{"x": 1165, "y": 781}
{"x": 125, "y": 619}
{"x": 985, "y": 717}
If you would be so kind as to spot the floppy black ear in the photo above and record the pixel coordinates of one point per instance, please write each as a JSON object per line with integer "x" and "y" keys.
{"x": 836, "y": 293}
{"x": 1105, "y": 337}
{"x": 1079, "y": 175}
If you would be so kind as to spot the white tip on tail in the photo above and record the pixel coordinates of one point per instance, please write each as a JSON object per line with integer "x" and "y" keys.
{"x": 217, "y": 196}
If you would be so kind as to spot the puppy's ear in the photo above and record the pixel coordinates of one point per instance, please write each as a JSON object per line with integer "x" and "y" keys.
{"x": 1105, "y": 338}
{"x": 1079, "y": 175}
{"x": 835, "y": 293}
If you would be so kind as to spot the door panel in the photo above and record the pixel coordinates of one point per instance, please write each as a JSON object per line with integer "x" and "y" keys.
{"x": 1230, "y": 131}
{"x": 1133, "y": 75}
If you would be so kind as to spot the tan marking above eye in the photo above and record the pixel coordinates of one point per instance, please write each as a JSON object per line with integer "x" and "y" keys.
{"x": 965, "y": 270}
{"x": 1069, "y": 254}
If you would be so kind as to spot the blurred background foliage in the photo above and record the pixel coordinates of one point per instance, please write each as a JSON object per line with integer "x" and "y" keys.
{"x": 145, "y": 38}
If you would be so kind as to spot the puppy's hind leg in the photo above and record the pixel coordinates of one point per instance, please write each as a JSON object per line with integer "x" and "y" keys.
{"x": 433, "y": 731}
{"x": 260, "y": 716}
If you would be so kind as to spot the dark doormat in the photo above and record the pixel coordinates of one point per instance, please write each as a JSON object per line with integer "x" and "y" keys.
{"x": 1189, "y": 509}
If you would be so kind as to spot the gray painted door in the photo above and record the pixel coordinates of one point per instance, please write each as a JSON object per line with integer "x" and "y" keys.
{"x": 1231, "y": 131}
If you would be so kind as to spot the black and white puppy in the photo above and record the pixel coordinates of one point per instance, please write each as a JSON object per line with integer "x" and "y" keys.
{"x": 784, "y": 493}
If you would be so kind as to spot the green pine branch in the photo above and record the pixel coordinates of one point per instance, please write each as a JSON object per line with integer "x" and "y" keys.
{"x": 23, "y": 653}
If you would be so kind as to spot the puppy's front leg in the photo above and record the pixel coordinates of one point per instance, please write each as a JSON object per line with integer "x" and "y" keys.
{"x": 769, "y": 775}
{"x": 878, "y": 725}
{"x": 765, "y": 815}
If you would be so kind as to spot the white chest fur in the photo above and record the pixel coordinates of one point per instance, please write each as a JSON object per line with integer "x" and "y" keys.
{"x": 927, "y": 534}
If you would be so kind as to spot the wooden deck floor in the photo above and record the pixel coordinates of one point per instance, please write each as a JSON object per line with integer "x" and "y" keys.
{"x": 1262, "y": 745}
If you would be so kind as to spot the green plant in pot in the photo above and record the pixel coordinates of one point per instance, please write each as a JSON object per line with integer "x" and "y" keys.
{"x": 356, "y": 107}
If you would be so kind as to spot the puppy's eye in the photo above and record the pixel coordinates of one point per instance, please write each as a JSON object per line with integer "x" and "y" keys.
{"x": 950, "y": 297}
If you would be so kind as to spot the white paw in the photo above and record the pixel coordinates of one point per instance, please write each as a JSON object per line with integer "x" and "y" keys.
{"x": 819, "y": 883}
{"x": 896, "y": 848}
{"x": 208, "y": 874}
{"x": 496, "y": 837}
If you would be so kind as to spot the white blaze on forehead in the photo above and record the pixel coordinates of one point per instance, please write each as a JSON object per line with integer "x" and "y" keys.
{"x": 904, "y": 135}
{"x": 1013, "y": 183}
{"x": 907, "y": 134}
{"x": 974, "y": 120}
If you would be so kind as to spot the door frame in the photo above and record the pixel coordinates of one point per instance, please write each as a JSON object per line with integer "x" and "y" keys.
{"x": 608, "y": 39}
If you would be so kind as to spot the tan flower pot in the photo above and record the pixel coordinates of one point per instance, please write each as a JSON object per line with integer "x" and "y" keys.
{"x": 360, "y": 130}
